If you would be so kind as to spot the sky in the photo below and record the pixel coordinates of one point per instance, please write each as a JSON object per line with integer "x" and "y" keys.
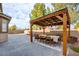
{"x": 19, "y": 13}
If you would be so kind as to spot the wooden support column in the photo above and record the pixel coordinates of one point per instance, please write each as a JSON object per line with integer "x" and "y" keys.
{"x": 31, "y": 35}
{"x": 43, "y": 30}
{"x": 65, "y": 35}
{"x": 69, "y": 31}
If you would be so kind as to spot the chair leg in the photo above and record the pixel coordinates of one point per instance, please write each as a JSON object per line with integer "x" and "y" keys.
{"x": 51, "y": 42}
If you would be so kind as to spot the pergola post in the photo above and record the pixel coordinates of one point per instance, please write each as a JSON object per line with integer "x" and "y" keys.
{"x": 31, "y": 34}
{"x": 65, "y": 35}
{"x": 69, "y": 31}
{"x": 43, "y": 30}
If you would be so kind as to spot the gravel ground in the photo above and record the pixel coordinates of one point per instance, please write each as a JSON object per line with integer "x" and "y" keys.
{"x": 19, "y": 45}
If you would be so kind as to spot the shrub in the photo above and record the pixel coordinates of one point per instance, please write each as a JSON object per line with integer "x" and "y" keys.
{"x": 13, "y": 27}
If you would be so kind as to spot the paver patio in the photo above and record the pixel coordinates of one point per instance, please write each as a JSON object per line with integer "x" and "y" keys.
{"x": 19, "y": 45}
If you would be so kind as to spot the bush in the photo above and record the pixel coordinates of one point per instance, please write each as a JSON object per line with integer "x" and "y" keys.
{"x": 75, "y": 49}
{"x": 12, "y": 27}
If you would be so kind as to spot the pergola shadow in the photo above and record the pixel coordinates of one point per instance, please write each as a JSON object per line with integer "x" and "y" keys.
{"x": 60, "y": 17}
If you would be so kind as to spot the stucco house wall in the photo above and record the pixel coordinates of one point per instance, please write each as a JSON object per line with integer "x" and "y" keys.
{"x": 3, "y": 37}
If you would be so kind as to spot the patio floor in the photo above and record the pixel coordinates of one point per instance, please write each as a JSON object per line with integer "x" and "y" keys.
{"x": 19, "y": 45}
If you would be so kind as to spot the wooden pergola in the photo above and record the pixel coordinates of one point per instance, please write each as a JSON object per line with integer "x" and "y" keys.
{"x": 60, "y": 17}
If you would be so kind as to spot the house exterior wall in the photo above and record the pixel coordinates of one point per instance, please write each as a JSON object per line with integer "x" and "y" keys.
{"x": 0, "y": 24}
{"x": 3, "y": 27}
{"x": 1, "y": 7}
{"x": 3, "y": 37}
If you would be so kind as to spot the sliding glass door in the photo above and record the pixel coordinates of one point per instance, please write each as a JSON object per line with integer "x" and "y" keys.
{"x": 4, "y": 25}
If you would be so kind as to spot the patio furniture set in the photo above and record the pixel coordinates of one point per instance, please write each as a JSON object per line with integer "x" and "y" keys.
{"x": 49, "y": 39}
{"x": 54, "y": 39}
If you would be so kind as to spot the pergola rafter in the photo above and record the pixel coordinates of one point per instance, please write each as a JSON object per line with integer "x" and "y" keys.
{"x": 60, "y": 17}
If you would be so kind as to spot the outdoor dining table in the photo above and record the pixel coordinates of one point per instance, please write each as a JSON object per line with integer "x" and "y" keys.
{"x": 55, "y": 38}
{"x": 42, "y": 35}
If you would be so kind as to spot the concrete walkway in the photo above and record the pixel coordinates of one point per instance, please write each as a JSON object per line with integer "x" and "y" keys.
{"x": 19, "y": 45}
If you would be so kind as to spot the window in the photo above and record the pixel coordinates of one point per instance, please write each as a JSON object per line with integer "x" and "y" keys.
{"x": 4, "y": 25}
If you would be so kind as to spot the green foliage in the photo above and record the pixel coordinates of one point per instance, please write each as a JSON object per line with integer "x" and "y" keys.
{"x": 38, "y": 11}
{"x": 49, "y": 10}
{"x": 35, "y": 27}
{"x": 12, "y": 27}
{"x": 59, "y": 27}
{"x": 77, "y": 25}
{"x": 75, "y": 49}
{"x": 58, "y": 6}
{"x": 71, "y": 8}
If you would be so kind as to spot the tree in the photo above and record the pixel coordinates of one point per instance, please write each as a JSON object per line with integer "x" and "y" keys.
{"x": 13, "y": 27}
{"x": 49, "y": 10}
{"x": 58, "y": 6}
{"x": 59, "y": 27}
{"x": 38, "y": 11}
{"x": 72, "y": 8}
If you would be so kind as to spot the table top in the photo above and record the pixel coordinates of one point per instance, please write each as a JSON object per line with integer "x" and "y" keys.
{"x": 42, "y": 35}
{"x": 54, "y": 37}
